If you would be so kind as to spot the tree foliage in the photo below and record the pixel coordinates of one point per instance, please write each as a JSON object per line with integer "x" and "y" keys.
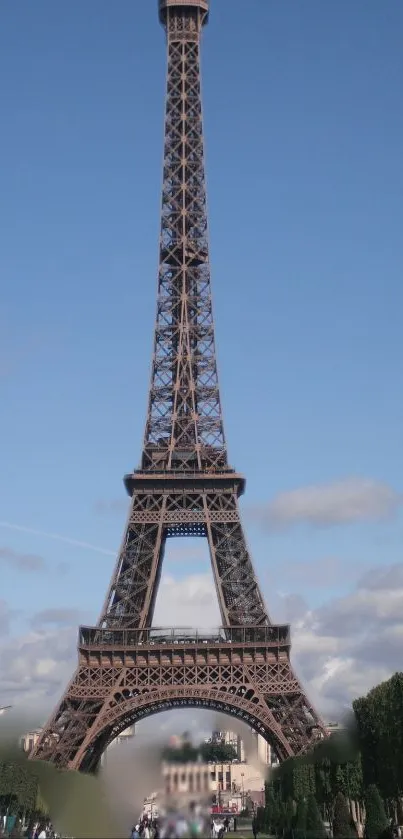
{"x": 314, "y": 824}
{"x": 220, "y": 752}
{"x": 376, "y": 822}
{"x": 273, "y": 821}
{"x": 379, "y": 717}
{"x": 342, "y": 828}
{"x": 300, "y": 819}
{"x": 186, "y": 753}
{"x": 346, "y": 767}
{"x": 289, "y": 816}
{"x": 18, "y": 788}
{"x": 260, "y": 819}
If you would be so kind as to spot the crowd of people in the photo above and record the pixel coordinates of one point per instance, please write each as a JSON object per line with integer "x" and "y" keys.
{"x": 173, "y": 824}
{"x": 178, "y": 823}
{"x": 39, "y": 830}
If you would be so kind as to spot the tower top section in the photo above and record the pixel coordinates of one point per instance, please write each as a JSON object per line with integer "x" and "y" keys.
{"x": 183, "y": 5}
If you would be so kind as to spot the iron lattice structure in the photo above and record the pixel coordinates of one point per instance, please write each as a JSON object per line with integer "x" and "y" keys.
{"x": 184, "y": 487}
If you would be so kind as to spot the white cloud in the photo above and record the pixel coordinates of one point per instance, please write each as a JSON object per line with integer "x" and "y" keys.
{"x": 190, "y": 601}
{"x": 342, "y": 502}
{"x": 350, "y": 644}
{"x": 35, "y": 667}
{"x": 321, "y": 572}
{"x": 5, "y": 615}
{"x": 56, "y": 618}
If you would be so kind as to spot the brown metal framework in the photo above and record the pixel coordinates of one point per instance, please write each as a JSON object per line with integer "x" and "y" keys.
{"x": 184, "y": 487}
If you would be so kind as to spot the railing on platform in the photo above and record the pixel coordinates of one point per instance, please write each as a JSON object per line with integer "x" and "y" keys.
{"x": 92, "y": 636}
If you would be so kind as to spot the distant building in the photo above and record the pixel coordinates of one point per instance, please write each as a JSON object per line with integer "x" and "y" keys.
{"x": 125, "y": 738}
{"x": 335, "y": 727}
{"x": 230, "y": 785}
{"x": 260, "y": 748}
{"x": 30, "y": 739}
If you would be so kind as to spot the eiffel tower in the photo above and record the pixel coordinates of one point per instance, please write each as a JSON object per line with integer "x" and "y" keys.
{"x": 128, "y": 670}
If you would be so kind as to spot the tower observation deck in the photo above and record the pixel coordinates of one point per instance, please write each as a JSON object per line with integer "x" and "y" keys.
{"x": 167, "y": 6}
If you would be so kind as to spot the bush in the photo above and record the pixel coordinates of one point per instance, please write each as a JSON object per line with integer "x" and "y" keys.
{"x": 314, "y": 824}
{"x": 300, "y": 819}
{"x": 289, "y": 813}
{"x": 273, "y": 813}
{"x": 342, "y": 828}
{"x": 376, "y": 822}
{"x": 260, "y": 819}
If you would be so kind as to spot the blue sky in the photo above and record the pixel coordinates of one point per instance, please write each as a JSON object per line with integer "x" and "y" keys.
{"x": 304, "y": 131}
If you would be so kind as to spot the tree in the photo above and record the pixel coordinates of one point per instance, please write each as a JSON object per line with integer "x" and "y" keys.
{"x": 278, "y": 829}
{"x": 376, "y": 822}
{"x": 295, "y": 778}
{"x": 18, "y": 788}
{"x": 289, "y": 815}
{"x": 260, "y": 819}
{"x": 323, "y": 786}
{"x": 314, "y": 824}
{"x": 300, "y": 819}
{"x": 220, "y": 752}
{"x": 342, "y": 828}
{"x": 186, "y": 753}
{"x": 273, "y": 819}
{"x": 379, "y": 717}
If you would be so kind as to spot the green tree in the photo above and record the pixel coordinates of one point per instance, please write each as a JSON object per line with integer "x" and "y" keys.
{"x": 260, "y": 819}
{"x": 300, "y": 819}
{"x": 182, "y": 754}
{"x": 367, "y": 739}
{"x": 323, "y": 786}
{"x": 379, "y": 717}
{"x": 289, "y": 815}
{"x": 352, "y": 779}
{"x": 279, "y": 829}
{"x": 342, "y": 828}
{"x": 303, "y": 779}
{"x": 273, "y": 818}
{"x": 18, "y": 788}
{"x": 314, "y": 824}
{"x": 220, "y": 752}
{"x": 376, "y": 822}
{"x": 295, "y": 778}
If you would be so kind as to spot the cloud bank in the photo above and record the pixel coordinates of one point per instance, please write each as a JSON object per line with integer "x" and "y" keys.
{"x": 343, "y": 502}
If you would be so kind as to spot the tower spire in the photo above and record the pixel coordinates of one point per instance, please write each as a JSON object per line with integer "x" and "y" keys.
{"x": 184, "y": 428}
